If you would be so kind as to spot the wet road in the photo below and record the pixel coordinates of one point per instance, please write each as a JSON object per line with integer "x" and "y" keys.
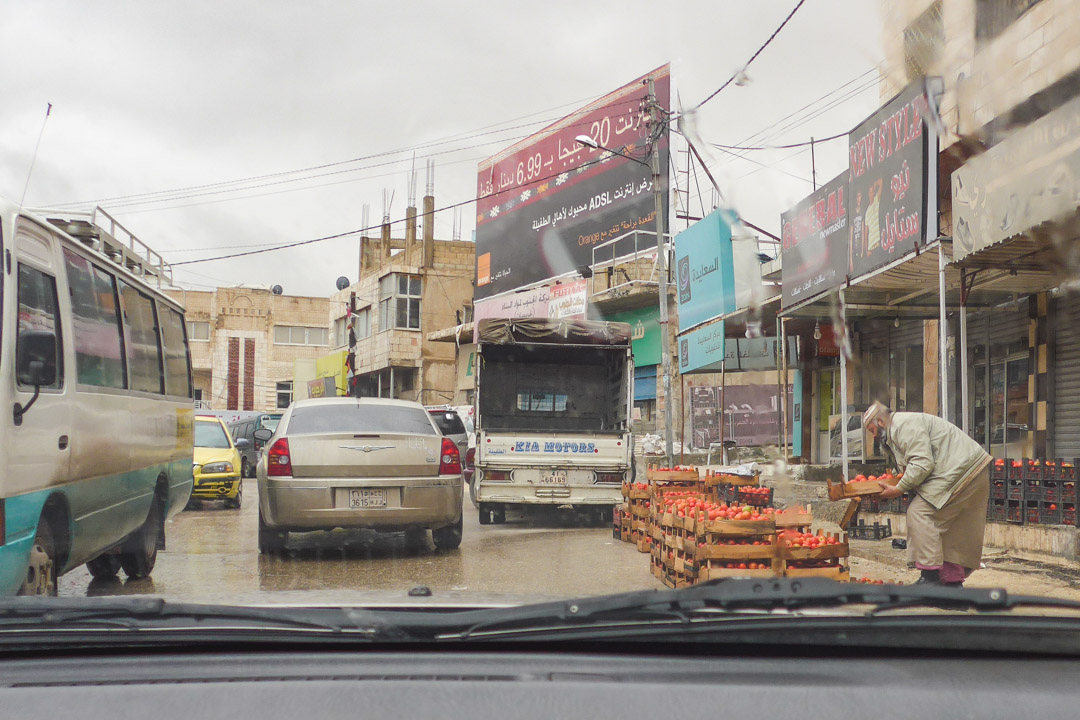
{"x": 212, "y": 556}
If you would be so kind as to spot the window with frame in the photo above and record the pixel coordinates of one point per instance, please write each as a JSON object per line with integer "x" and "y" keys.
{"x": 993, "y": 17}
{"x": 341, "y": 332}
{"x": 284, "y": 394}
{"x": 99, "y": 349}
{"x": 924, "y": 40}
{"x": 297, "y": 335}
{"x": 177, "y": 362}
{"x": 362, "y": 323}
{"x": 541, "y": 401}
{"x": 38, "y": 311}
{"x": 144, "y": 342}
{"x": 399, "y": 302}
{"x": 198, "y": 330}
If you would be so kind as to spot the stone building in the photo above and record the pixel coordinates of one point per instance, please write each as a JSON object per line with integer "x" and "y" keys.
{"x": 408, "y": 289}
{"x": 244, "y": 342}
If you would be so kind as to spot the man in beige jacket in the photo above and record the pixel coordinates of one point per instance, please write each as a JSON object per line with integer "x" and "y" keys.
{"x": 950, "y": 474}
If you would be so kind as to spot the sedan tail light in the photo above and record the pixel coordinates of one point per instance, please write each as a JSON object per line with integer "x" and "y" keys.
{"x": 470, "y": 457}
{"x": 278, "y": 461}
{"x": 450, "y": 460}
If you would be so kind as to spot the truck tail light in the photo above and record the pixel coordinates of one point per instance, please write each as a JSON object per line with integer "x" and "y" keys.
{"x": 610, "y": 477}
{"x": 450, "y": 461}
{"x": 278, "y": 460}
{"x": 496, "y": 476}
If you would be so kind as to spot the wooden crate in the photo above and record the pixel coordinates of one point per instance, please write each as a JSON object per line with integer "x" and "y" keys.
{"x": 839, "y": 491}
{"x": 793, "y": 519}
{"x": 656, "y": 475}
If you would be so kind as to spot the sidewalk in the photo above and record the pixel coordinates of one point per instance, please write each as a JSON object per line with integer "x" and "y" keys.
{"x": 877, "y": 560}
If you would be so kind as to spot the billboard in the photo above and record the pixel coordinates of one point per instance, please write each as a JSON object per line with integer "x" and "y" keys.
{"x": 890, "y": 163}
{"x": 814, "y": 234}
{"x": 546, "y": 202}
{"x": 751, "y": 415}
{"x": 704, "y": 269}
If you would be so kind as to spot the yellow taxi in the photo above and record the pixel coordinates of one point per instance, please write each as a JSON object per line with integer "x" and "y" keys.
{"x": 217, "y": 462}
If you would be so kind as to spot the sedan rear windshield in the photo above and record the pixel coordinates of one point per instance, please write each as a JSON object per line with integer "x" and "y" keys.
{"x": 449, "y": 422}
{"x": 359, "y": 419}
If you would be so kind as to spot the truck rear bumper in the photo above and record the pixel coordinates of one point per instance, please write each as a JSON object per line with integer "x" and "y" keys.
{"x": 558, "y": 495}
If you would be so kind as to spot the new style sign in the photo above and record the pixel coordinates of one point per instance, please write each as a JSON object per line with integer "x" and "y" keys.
{"x": 814, "y": 234}
{"x": 889, "y": 165}
{"x": 546, "y": 202}
{"x": 644, "y": 333}
{"x": 704, "y": 269}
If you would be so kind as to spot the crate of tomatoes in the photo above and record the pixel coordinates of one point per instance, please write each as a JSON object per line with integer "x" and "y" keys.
{"x": 861, "y": 485}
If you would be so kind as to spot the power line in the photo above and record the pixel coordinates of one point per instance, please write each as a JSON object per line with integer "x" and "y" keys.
{"x": 754, "y": 56}
{"x": 372, "y": 227}
{"x": 816, "y": 141}
{"x": 464, "y": 135}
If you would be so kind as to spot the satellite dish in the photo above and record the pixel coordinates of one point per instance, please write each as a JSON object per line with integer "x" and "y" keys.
{"x": 342, "y": 282}
{"x": 277, "y": 290}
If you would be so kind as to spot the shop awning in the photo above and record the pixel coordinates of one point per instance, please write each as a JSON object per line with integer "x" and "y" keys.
{"x": 645, "y": 383}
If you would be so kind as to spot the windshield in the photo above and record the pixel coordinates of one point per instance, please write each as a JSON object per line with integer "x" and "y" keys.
{"x": 359, "y": 419}
{"x": 449, "y": 422}
{"x": 701, "y": 290}
{"x": 211, "y": 435}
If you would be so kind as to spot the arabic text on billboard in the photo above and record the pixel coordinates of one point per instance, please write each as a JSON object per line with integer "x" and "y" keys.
{"x": 815, "y": 241}
{"x": 546, "y": 202}
{"x": 704, "y": 270}
{"x": 558, "y": 302}
{"x": 888, "y": 166}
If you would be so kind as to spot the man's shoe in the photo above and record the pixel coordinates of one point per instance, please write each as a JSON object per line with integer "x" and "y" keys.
{"x": 929, "y": 577}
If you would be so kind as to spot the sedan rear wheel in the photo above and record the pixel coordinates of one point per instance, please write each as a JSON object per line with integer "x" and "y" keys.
{"x": 270, "y": 540}
{"x": 449, "y": 537}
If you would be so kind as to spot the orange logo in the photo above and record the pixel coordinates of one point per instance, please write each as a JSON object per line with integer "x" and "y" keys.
{"x": 483, "y": 269}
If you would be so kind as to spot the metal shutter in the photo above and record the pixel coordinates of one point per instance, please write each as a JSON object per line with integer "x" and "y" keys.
{"x": 1067, "y": 379}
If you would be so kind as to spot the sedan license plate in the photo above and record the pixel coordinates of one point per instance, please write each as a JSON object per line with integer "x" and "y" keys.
{"x": 553, "y": 477}
{"x": 367, "y": 499}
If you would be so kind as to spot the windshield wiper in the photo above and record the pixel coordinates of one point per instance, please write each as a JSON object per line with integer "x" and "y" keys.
{"x": 715, "y": 597}
{"x": 23, "y": 613}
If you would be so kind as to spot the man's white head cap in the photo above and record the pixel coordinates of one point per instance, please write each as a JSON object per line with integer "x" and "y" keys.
{"x": 874, "y": 412}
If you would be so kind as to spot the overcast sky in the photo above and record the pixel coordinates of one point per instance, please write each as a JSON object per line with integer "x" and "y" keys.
{"x": 176, "y": 98}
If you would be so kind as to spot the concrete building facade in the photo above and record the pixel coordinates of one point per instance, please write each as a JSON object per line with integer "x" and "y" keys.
{"x": 244, "y": 342}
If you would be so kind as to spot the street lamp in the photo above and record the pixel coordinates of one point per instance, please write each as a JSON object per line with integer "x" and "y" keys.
{"x": 661, "y": 260}
{"x": 590, "y": 143}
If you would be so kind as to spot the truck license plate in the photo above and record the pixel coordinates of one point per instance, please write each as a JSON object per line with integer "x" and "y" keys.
{"x": 367, "y": 499}
{"x": 553, "y": 477}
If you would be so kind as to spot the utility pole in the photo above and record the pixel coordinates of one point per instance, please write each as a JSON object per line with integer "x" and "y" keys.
{"x": 661, "y": 259}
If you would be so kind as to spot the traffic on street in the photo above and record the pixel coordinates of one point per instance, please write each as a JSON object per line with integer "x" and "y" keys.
{"x": 540, "y": 360}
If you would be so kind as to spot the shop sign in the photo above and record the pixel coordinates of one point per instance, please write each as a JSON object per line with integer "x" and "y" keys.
{"x": 705, "y": 269}
{"x": 890, "y": 163}
{"x": 466, "y": 367}
{"x": 644, "y": 333}
{"x": 702, "y": 350}
{"x": 814, "y": 234}
{"x": 558, "y": 302}
{"x": 1030, "y": 178}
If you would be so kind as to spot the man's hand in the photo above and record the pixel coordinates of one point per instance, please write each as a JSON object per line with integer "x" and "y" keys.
{"x": 890, "y": 491}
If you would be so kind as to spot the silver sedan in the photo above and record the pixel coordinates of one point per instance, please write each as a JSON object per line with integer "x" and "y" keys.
{"x": 358, "y": 463}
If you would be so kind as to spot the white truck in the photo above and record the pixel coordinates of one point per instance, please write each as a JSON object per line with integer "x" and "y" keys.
{"x": 553, "y": 405}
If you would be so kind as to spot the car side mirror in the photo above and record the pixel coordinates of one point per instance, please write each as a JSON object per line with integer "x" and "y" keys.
{"x": 242, "y": 444}
{"x": 263, "y": 435}
{"x": 35, "y": 364}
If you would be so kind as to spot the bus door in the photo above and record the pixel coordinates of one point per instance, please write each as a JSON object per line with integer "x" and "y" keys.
{"x": 38, "y": 446}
